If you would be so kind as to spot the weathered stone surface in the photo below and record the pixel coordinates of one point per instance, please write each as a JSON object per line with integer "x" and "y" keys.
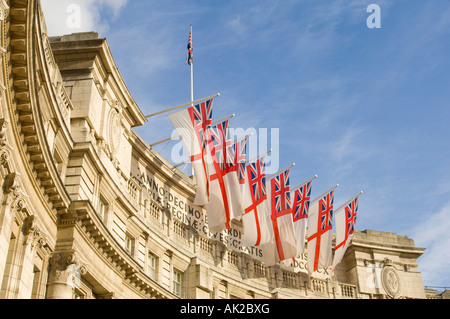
{"x": 90, "y": 211}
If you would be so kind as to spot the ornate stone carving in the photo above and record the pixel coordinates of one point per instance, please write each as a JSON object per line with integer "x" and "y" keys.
{"x": 11, "y": 185}
{"x": 29, "y": 225}
{"x": 3, "y": 8}
{"x": 3, "y": 128}
{"x": 32, "y": 232}
{"x": 65, "y": 266}
{"x": 19, "y": 204}
{"x": 5, "y": 148}
{"x": 390, "y": 279}
{"x": 114, "y": 130}
{"x": 63, "y": 259}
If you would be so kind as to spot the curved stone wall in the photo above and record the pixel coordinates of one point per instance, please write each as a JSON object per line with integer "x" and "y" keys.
{"x": 89, "y": 210}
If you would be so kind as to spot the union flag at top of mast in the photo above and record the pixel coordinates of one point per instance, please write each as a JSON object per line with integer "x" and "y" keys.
{"x": 189, "y": 58}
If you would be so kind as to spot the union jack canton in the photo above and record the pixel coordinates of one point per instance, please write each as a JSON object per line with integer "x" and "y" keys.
{"x": 351, "y": 211}
{"x": 219, "y": 145}
{"x": 257, "y": 183}
{"x": 281, "y": 195}
{"x": 237, "y": 155}
{"x": 326, "y": 212}
{"x": 302, "y": 198}
{"x": 201, "y": 115}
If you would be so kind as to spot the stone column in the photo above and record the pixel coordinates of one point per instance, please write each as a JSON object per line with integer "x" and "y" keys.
{"x": 65, "y": 270}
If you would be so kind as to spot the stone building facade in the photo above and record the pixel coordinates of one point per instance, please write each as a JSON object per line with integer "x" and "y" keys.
{"x": 89, "y": 210}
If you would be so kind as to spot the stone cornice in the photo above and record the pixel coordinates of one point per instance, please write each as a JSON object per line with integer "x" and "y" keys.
{"x": 89, "y": 223}
{"x": 25, "y": 110}
{"x": 100, "y": 47}
{"x": 374, "y": 240}
{"x": 416, "y": 251}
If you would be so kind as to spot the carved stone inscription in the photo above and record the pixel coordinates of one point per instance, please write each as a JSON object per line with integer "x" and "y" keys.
{"x": 192, "y": 215}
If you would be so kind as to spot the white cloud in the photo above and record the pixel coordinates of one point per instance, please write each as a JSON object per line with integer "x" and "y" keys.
{"x": 433, "y": 235}
{"x": 71, "y": 16}
{"x": 346, "y": 147}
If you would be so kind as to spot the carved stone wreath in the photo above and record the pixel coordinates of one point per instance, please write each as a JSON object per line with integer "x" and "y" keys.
{"x": 115, "y": 131}
{"x": 390, "y": 280}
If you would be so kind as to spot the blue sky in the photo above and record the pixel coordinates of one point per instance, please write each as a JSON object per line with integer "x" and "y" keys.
{"x": 365, "y": 108}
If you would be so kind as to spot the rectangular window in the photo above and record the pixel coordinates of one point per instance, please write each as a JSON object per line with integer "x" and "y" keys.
{"x": 177, "y": 276}
{"x": 102, "y": 210}
{"x": 151, "y": 265}
{"x": 129, "y": 244}
{"x": 36, "y": 283}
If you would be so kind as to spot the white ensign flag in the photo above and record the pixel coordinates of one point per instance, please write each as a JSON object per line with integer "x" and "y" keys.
{"x": 192, "y": 124}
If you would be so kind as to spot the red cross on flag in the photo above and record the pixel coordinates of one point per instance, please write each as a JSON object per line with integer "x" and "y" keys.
{"x": 300, "y": 208}
{"x": 225, "y": 193}
{"x": 320, "y": 220}
{"x": 256, "y": 220}
{"x": 345, "y": 225}
{"x": 284, "y": 244}
{"x": 192, "y": 124}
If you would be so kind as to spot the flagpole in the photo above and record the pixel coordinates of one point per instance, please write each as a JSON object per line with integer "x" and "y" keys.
{"x": 192, "y": 73}
{"x": 192, "y": 80}
{"x": 282, "y": 170}
{"x": 255, "y": 158}
{"x": 299, "y": 185}
{"x": 337, "y": 210}
{"x": 337, "y": 185}
{"x": 183, "y": 105}
{"x": 240, "y": 139}
{"x": 179, "y": 164}
{"x": 164, "y": 140}
{"x": 223, "y": 119}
